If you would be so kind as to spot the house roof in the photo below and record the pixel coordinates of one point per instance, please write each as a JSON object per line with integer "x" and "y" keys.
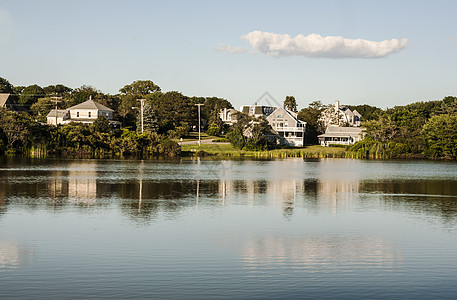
{"x": 290, "y": 113}
{"x": 336, "y": 131}
{"x": 3, "y": 98}
{"x": 356, "y": 113}
{"x": 60, "y": 113}
{"x": 258, "y": 109}
{"x": 90, "y": 104}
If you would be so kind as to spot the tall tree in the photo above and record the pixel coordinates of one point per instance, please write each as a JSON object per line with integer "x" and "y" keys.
{"x": 140, "y": 88}
{"x": 290, "y": 103}
{"x": 173, "y": 109}
{"x": 150, "y": 122}
{"x": 30, "y": 95}
{"x": 311, "y": 116}
{"x": 58, "y": 89}
{"x": 81, "y": 94}
{"x": 42, "y": 107}
{"x": 440, "y": 135}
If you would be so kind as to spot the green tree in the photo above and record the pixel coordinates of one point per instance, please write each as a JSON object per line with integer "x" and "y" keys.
{"x": 368, "y": 112}
{"x": 140, "y": 88}
{"x": 216, "y": 126}
{"x": 82, "y": 94}
{"x": 17, "y": 90}
{"x": 42, "y": 107}
{"x": 249, "y": 133}
{"x": 30, "y": 95}
{"x": 101, "y": 124}
{"x": 290, "y": 103}
{"x": 211, "y": 107}
{"x": 5, "y": 86}
{"x": 311, "y": 116}
{"x": 16, "y": 129}
{"x": 150, "y": 122}
{"x": 440, "y": 135}
{"x": 173, "y": 109}
{"x": 58, "y": 89}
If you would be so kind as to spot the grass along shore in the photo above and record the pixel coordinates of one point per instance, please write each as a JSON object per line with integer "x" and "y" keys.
{"x": 226, "y": 149}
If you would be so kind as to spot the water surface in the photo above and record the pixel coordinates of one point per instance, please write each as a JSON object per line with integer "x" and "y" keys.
{"x": 292, "y": 228}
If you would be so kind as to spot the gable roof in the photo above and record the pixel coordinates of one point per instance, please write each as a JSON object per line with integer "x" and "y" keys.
{"x": 3, "y": 98}
{"x": 60, "y": 113}
{"x": 90, "y": 104}
{"x": 356, "y": 113}
{"x": 290, "y": 113}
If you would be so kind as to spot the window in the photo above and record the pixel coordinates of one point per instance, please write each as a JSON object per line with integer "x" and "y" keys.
{"x": 88, "y": 114}
{"x": 77, "y": 114}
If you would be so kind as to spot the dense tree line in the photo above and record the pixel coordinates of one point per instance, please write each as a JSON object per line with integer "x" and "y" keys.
{"x": 21, "y": 134}
{"x": 421, "y": 129}
{"x": 417, "y": 130}
{"x": 165, "y": 116}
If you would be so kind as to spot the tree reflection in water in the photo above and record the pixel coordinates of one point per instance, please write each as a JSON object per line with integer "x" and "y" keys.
{"x": 142, "y": 189}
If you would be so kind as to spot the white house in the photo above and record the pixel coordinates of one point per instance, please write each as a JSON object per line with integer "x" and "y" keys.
{"x": 86, "y": 112}
{"x": 228, "y": 115}
{"x": 340, "y": 115}
{"x": 290, "y": 129}
{"x": 341, "y": 135}
{"x": 57, "y": 117}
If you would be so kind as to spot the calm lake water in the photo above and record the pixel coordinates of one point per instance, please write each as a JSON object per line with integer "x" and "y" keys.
{"x": 205, "y": 229}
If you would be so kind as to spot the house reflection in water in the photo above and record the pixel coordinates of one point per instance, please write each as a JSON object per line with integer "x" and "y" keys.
{"x": 330, "y": 194}
{"x": 334, "y": 194}
{"x": 279, "y": 192}
{"x": 82, "y": 183}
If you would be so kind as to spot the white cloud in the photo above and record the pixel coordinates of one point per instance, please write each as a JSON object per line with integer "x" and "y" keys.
{"x": 315, "y": 45}
{"x": 229, "y": 49}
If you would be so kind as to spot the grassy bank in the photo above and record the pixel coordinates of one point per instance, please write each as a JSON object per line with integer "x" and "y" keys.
{"x": 228, "y": 150}
{"x": 193, "y": 136}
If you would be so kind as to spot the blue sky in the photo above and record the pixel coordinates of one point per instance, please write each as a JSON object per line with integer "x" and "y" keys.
{"x": 108, "y": 44}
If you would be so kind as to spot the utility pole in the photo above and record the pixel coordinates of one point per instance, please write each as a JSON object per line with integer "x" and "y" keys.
{"x": 56, "y": 99}
{"x": 142, "y": 118}
{"x": 199, "y": 134}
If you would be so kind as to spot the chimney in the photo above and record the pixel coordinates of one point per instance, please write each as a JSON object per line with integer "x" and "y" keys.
{"x": 337, "y": 105}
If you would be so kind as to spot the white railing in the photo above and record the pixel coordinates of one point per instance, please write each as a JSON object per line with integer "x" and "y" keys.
{"x": 291, "y": 129}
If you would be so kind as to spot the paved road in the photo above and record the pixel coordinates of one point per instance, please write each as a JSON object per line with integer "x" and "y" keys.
{"x": 208, "y": 141}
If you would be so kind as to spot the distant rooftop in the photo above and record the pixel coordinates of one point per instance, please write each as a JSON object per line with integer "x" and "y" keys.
{"x": 90, "y": 104}
{"x": 3, "y": 98}
{"x": 60, "y": 113}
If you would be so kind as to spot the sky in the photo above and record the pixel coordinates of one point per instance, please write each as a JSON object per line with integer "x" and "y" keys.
{"x": 382, "y": 53}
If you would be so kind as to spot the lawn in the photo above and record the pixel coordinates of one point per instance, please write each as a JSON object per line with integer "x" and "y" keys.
{"x": 224, "y": 149}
